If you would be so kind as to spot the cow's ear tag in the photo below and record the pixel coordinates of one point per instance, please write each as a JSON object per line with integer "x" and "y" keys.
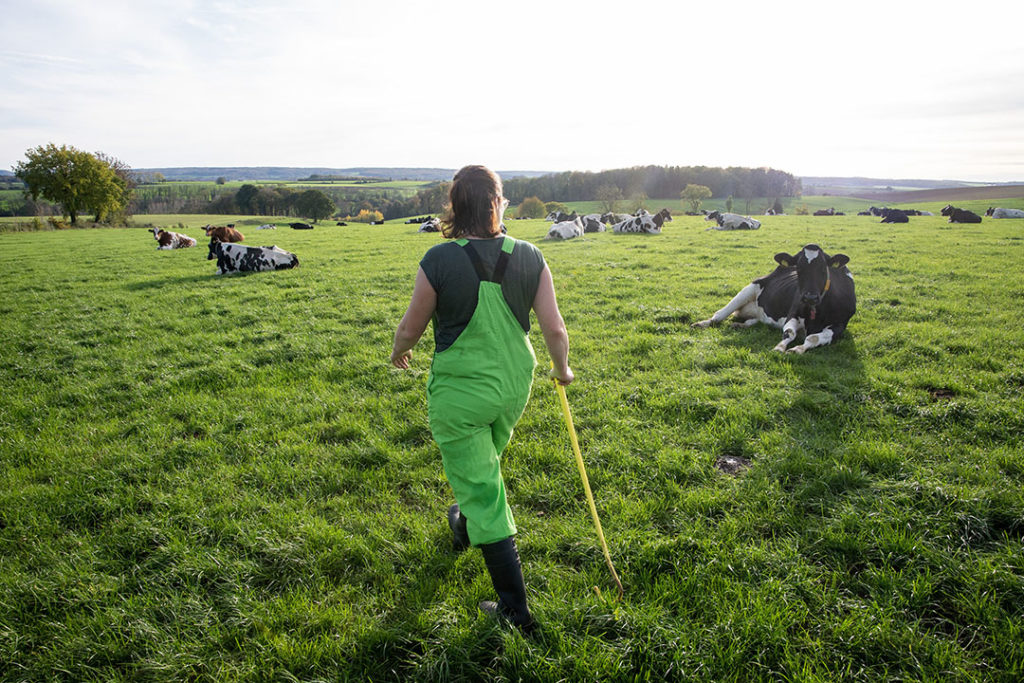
{"x": 839, "y": 260}
{"x": 783, "y": 259}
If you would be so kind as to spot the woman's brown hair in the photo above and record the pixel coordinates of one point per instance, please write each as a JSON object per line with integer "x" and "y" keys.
{"x": 472, "y": 200}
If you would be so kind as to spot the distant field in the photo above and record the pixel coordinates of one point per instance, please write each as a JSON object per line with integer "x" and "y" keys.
{"x": 959, "y": 194}
{"x": 210, "y": 478}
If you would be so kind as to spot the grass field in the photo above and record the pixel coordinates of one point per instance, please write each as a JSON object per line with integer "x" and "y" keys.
{"x": 221, "y": 478}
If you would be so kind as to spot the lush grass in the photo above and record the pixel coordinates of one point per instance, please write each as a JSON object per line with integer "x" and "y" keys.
{"x": 221, "y": 478}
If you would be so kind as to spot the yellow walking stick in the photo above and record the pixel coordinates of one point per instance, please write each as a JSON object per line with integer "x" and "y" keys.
{"x": 586, "y": 483}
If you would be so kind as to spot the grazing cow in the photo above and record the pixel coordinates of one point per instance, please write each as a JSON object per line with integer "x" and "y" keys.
{"x": 566, "y": 230}
{"x": 431, "y": 225}
{"x": 300, "y": 226}
{"x": 644, "y": 223}
{"x": 267, "y": 226}
{"x": 811, "y": 292}
{"x": 1004, "y": 213}
{"x": 894, "y": 216}
{"x": 592, "y": 223}
{"x": 773, "y": 212}
{"x": 825, "y": 212}
{"x": 224, "y": 233}
{"x": 863, "y": 213}
{"x": 731, "y": 221}
{"x": 960, "y": 215}
{"x": 342, "y": 223}
{"x": 165, "y": 239}
{"x": 233, "y": 258}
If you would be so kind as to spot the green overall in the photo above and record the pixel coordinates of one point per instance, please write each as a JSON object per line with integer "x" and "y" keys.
{"x": 476, "y": 393}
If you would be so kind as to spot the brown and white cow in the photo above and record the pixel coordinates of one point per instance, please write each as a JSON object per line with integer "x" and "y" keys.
{"x": 224, "y": 233}
{"x": 810, "y": 292}
{"x": 166, "y": 239}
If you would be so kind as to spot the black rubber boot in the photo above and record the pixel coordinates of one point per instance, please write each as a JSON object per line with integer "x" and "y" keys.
{"x": 457, "y": 522}
{"x": 502, "y": 560}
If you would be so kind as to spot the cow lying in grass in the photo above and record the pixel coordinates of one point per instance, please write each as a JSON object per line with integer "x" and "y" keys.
{"x": 731, "y": 221}
{"x": 236, "y": 258}
{"x": 1004, "y": 213}
{"x": 644, "y": 223}
{"x": 960, "y": 215}
{"x": 165, "y": 239}
{"x": 224, "y": 233}
{"x": 566, "y": 230}
{"x": 810, "y": 292}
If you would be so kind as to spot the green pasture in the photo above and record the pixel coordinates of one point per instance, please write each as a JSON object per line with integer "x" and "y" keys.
{"x": 221, "y": 478}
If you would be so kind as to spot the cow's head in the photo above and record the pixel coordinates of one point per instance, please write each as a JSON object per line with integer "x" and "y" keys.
{"x": 813, "y": 272}
{"x": 665, "y": 214}
{"x": 948, "y": 210}
{"x": 156, "y": 233}
{"x": 712, "y": 215}
{"x": 215, "y": 249}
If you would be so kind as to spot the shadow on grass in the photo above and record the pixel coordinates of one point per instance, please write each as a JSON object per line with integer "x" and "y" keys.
{"x": 141, "y": 285}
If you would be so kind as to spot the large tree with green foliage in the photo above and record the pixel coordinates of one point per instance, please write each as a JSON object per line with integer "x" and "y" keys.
{"x": 314, "y": 204}
{"x": 531, "y": 207}
{"x": 77, "y": 181}
{"x": 695, "y": 194}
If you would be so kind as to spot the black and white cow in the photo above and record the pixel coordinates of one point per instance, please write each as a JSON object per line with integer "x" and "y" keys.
{"x": 301, "y": 226}
{"x": 566, "y": 230}
{"x": 960, "y": 215}
{"x": 561, "y": 216}
{"x": 233, "y": 258}
{"x": 894, "y": 216}
{"x": 644, "y": 223}
{"x": 1004, "y": 213}
{"x": 731, "y": 221}
{"x": 810, "y": 292}
{"x": 267, "y": 226}
{"x": 592, "y": 223}
{"x": 613, "y": 218}
{"x": 431, "y": 225}
{"x": 165, "y": 239}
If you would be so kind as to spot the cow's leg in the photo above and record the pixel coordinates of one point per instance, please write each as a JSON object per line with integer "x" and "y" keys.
{"x": 745, "y": 296}
{"x": 789, "y": 331}
{"x": 818, "y": 339}
{"x": 749, "y": 322}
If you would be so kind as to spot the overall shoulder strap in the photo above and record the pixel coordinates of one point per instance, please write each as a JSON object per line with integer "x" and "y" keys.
{"x": 474, "y": 257}
{"x": 507, "y": 245}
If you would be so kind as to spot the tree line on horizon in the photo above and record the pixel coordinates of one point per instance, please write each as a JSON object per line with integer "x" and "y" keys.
{"x": 77, "y": 182}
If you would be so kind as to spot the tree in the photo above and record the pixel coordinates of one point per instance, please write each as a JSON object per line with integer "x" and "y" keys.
{"x": 728, "y": 204}
{"x": 314, "y": 204}
{"x": 221, "y": 180}
{"x": 777, "y": 207}
{"x": 122, "y": 171}
{"x": 695, "y": 194}
{"x": 76, "y": 180}
{"x": 531, "y": 207}
{"x": 245, "y": 198}
{"x": 609, "y": 196}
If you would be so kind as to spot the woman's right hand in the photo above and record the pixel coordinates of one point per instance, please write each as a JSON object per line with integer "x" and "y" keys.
{"x": 563, "y": 377}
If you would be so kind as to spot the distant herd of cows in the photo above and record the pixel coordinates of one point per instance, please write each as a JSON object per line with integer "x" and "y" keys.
{"x": 809, "y": 292}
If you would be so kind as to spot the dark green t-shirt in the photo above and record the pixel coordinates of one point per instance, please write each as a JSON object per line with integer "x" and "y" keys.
{"x": 453, "y": 277}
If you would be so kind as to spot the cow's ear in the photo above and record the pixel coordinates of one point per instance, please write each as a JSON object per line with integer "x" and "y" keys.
{"x": 784, "y": 259}
{"x": 839, "y": 260}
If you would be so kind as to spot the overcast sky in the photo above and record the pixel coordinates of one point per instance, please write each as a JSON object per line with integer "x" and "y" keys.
{"x": 888, "y": 89}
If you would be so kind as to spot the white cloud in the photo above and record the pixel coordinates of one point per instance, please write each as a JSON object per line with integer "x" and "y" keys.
{"x": 885, "y": 89}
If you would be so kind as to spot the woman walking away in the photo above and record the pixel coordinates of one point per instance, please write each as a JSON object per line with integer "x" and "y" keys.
{"x": 479, "y": 289}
